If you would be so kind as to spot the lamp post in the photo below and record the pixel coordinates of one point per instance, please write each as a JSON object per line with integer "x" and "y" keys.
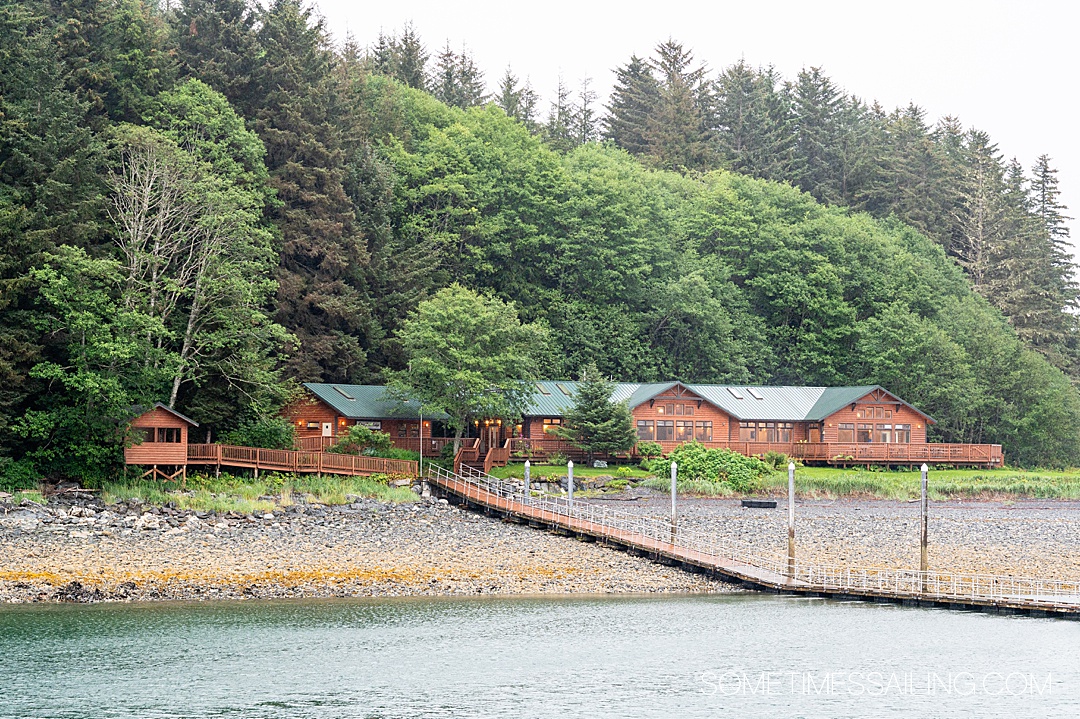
{"x": 924, "y": 559}
{"x": 791, "y": 519}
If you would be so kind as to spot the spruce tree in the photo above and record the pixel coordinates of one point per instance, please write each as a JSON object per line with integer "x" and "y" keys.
{"x": 558, "y": 130}
{"x": 818, "y": 107}
{"x": 677, "y": 132}
{"x": 216, "y": 43}
{"x": 633, "y": 101}
{"x": 595, "y": 424}
{"x": 298, "y": 115}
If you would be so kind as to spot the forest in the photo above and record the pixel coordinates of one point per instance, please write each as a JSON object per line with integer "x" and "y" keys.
{"x": 207, "y": 202}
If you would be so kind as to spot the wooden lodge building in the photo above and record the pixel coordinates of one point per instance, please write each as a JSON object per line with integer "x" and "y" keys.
{"x": 829, "y": 425}
{"x": 161, "y": 442}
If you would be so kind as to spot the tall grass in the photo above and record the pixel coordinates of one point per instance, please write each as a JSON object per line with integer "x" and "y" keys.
{"x": 243, "y": 495}
{"x": 907, "y": 485}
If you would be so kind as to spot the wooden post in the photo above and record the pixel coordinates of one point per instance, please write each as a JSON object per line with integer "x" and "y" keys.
{"x": 791, "y": 519}
{"x": 527, "y": 468}
{"x": 674, "y": 476}
{"x": 570, "y": 484}
{"x": 924, "y": 559}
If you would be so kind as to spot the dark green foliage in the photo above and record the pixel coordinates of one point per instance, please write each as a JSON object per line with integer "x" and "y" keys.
{"x": 265, "y": 432}
{"x": 362, "y": 440}
{"x": 216, "y": 43}
{"x": 595, "y": 424}
{"x": 698, "y": 464}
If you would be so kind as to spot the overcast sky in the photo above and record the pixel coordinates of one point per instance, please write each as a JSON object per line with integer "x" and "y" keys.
{"x": 1005, "y": 67}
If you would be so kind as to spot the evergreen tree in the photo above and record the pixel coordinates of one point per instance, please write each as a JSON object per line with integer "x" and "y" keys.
{"x": 558, "y": 130}
{"x": 457, "y": 81}
{"x": 677, "y": 132}
{"x": 753, "y": 122}
{"x": 410, "y": 59}
{"x": 981, "y": 214}
{"x": 818, "y": 107}
{"x": 632, "y": 102}
{"x": 298, "y": 115}
{"x": 518, "y": 101}
{"x": 216, "y": 43}
{"x": 594, "y": 423}
{"x": 585, "y": 123}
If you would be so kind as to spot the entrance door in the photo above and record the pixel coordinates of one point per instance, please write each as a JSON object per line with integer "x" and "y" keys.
{"x": 490, "y": 437}
{"x": 814, "y": 435}
{"x": 327, "y": 429}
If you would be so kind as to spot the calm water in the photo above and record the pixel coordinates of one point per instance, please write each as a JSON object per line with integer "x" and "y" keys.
{"x": 730, "y": 656}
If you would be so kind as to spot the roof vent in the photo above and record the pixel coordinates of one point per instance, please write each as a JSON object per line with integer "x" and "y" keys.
{"x": 754, "y": 393}
{"x": 543, "y": 390}
{"x": 734, "y": 393}
{"x": 343, "y": 393}
{"x": 562, "y": 388}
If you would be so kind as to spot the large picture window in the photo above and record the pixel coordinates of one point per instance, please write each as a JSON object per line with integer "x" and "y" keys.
{"x": 864, "y": 433}
{"x": 747, "y": 431}
{"x": 884, "y": 433}
{"x": 845, "y": 432}
{"x": 902, "y": 433}
{"x": 684, "y": 430}
{"x": 704, "y": 432}
{"x": 665, "y": 430}
{"x": 646, "y": 430}
{"x": 779, "y": 431}
{"x": 168, "y": 434}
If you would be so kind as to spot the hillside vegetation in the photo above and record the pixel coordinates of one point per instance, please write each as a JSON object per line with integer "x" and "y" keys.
{"x": 301, "y": 201}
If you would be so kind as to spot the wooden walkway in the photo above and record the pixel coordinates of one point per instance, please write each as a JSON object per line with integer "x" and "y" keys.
{"x": 761, "y": 570}
{"x": 287, "y": 460}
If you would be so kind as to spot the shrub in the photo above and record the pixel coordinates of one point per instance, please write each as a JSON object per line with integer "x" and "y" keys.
{"x": 776, "y": 460}
{"x": 264, "y": 432}
{"x": 363, "y": 440}
{"x": 618, "y": 484}
{"x": 697, "y": 464}
{"x": 558, "y": 458}
{"x": 624, "y": 471}
{"x": 17, "y": 475}
{"x": 649, "y": 450}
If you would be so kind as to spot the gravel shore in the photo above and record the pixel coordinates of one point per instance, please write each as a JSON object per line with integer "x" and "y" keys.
{"x": 80, "y": 550}
{"x": 1022, "y": 538}
{"x": 88, "y": 552}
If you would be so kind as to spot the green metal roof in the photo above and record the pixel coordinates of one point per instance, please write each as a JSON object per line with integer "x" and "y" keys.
{"x": 555, "y": 398}
{"x": 367, "y": 401}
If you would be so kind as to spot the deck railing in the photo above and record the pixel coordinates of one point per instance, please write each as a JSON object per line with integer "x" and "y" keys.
{"x": 753, "y": 563}
{"x": 288, "y": 460}
{"x": 990, "y": 455}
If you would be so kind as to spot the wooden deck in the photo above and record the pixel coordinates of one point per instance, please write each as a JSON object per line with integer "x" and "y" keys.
{"x": 286, "y": 460}
{"x": 755, "y": 568}
{"x": 840, "y": 454}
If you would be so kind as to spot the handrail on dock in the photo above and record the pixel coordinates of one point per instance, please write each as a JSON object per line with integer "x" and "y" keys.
{"x": 743, "y": 561}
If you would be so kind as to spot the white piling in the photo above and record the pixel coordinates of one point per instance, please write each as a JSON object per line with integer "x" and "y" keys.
{"x": 570, "y": 483}
{"x": 674, "y": 484}
{"x": 527, "y": 467}
{"x": 791, "y": 519}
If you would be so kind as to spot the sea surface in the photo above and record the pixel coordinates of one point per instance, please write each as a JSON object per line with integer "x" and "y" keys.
{"x": 741, "y": 655}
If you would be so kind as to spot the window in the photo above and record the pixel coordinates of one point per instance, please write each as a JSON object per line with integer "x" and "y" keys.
{"x": 147, "y": 434}
{"x": 747, "y": 432}
{"x": 684, "y": 430}
{"x": 312, "y": 424}
{"x": 401, "y": 429}
{"x": 660, "y": 409}
{"x": 879, "y": 413}
{"x": 669, "y": 409}
{"x": 859, "y": 414}
{"x": 888, "y": 414}
{"x": 690, "y": 410}
{"x": 779, "y": 431}
{"x": 646, "y": 430}
{"x": 168, "y": 434}
{"x": 665, "y": 430}
{"x": 414, "y": 430}
{"x": 704, "y": 432}
{"x": 845, "y": 432}
{"x": 550, "y": 423}
{"x": 884, "y": 433}
{"x": 678, "y": 409}
{"x": 902, "y": 433}
{"x": 864, "y": 433}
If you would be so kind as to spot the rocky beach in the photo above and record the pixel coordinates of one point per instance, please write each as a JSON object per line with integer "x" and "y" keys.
{"x": 78, "y": 549}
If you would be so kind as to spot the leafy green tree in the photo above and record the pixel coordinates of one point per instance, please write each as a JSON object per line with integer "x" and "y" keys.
{"x": 265, "y": 432}
{"x": 594, "y": 423}
{"x": 469, "y": 356}
{"x": 77, "y": 430}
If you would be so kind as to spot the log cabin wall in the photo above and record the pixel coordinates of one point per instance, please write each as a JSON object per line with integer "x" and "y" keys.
{"x": 885, "y": 411}
{"x": 166, "y": 446}
{"x": 308, "y": 414}
{"x": 683, "y": 409}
